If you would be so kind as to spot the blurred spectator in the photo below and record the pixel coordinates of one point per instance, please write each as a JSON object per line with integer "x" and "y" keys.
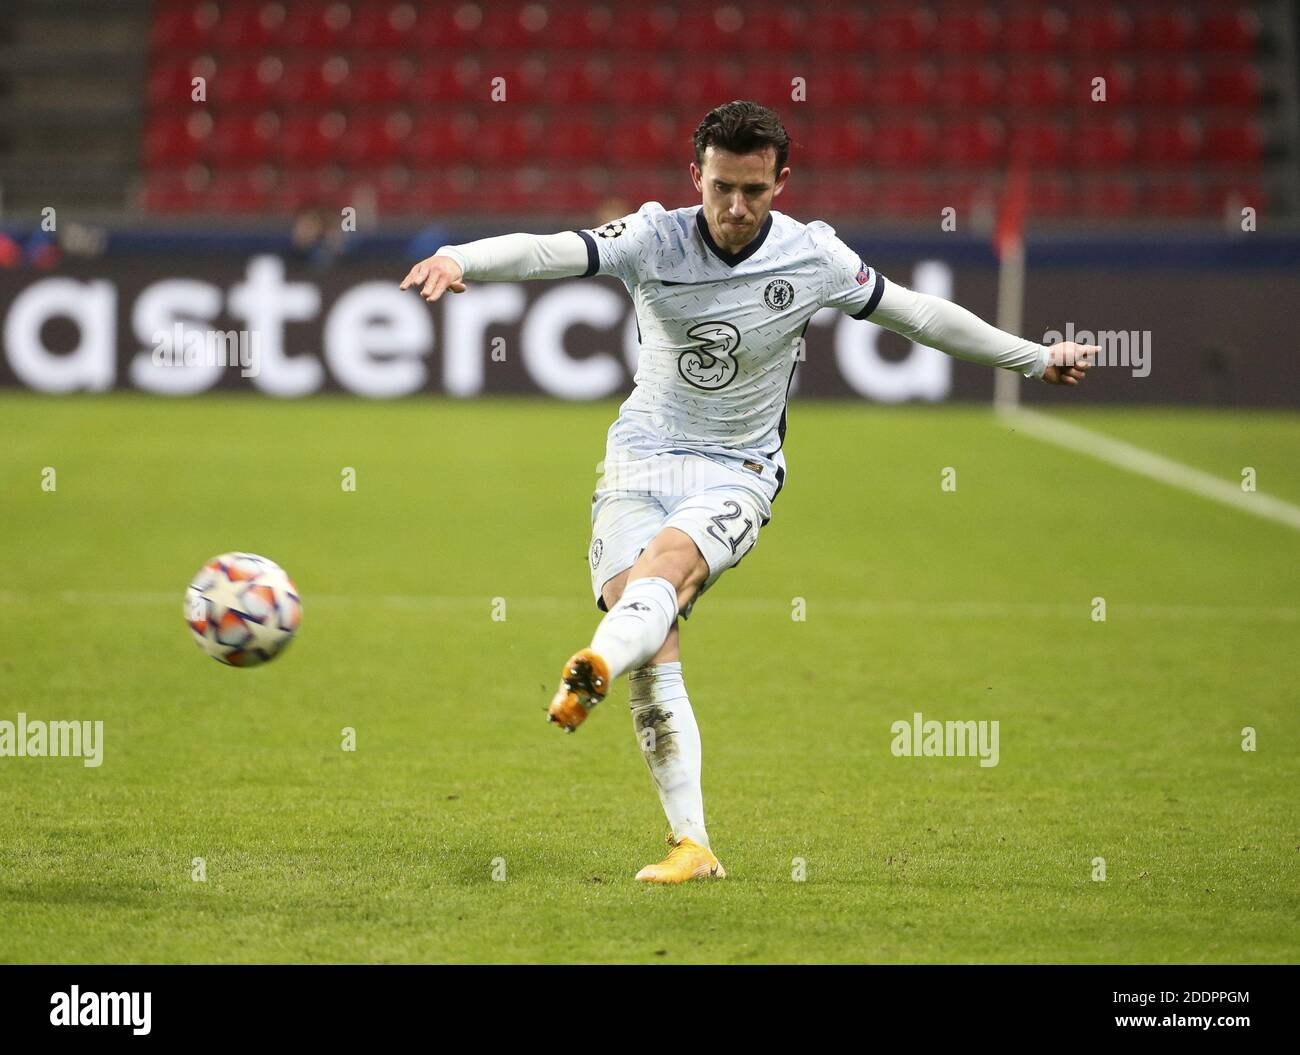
{"x": 316, "y": 237}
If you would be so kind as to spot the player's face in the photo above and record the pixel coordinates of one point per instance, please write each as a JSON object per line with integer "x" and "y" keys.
{"x": 737, "y": 191}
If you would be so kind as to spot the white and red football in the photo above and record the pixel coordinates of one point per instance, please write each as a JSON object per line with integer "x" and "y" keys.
{"x": 242, "y": 609}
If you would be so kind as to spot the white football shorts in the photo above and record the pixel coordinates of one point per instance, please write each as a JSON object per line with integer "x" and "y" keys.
{"x": 714, "y": 505}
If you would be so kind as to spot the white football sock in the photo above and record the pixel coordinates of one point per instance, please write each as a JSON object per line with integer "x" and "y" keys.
{"x": 669, "y": 739}
{"x": 635, "y": 628}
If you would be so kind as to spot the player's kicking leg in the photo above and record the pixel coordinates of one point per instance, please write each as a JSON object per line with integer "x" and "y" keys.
{"x": 665, "y": 578}
{"x": 662, "y": 717}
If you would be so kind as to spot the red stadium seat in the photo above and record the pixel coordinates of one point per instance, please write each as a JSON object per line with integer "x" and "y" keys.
{"x": 845, "y": 31}
{"x": 1040, "y": 84}
{"x": 973, "y": 144}
{"x": 782, "y": 29}
{"x": 1119, "y": 77}
{"x": 242, "y": 139}
{"x": 903, "y": 85}
{"x": 184, "y": 26}
{"x": 438, "y": 81}
{"x": 648, "y": 83}
{"x": 1169, "y": 141}
{"x": 312, "y": 139}
{"x": 974, "y": 85}
{"x": 310, "y": 188}
{"x": 317, "y": 24}
{"x": 716, "y": 30}
{"x": 1109, "y": 197}
{"x": 1050, "y": 196}
{"x": 513, "y": 25}
{"x": 1232, "y": 84}
{"x": 649, "y": 27}
{"x": 1042, "y": 30}
{"x": 440, "y": 140}
{"x": 904, "y": 143}
{"x": 910, "y": 29}
{"x": 1165, "y": 83}
{"x": 1170, "y": 29}
{"x": 175, "y": 190}
{"x": 1175, "y": 196}
{"x": 1233, "y": 30}
{"x": 1103, "y": 142}
{"x": 1238, "y": 141}
{"x": 581, "y": 28}
{"x": 1229, "y": 197}
{"x": 582, "y": 81}
{"x": 704, "y": 85}
{"x": 771, "y": 81}
{"x": 315, "y": 82}
{"x": 910, "y": 199}
{"x": 839, "y": 142}
{"x": 249, "y": 25}
{"x": 171, "y": 82}
{"x": 176, "y": 139}
{"x": 445, "y": 29}
{"x": 242, "y": 191}
{"x": 1101, "y": 32}
{"x": 573, "y": 141}
{"x": 965, "y": 31}
{"x": 378, "y": 81}
{"x": 523, "y": 78}
{"x": 508, "y": 135}
{"x": 252, "y": 82}
{"x": 1040, "y": 142}
{"x": 384, "y": 25}
{"x": 376, "y": 139}
{"x": 641, "y": 141}
{"x": 846, "y": 84}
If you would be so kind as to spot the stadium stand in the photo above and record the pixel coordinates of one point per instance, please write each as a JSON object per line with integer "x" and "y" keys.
{"x": 908, "y": 106}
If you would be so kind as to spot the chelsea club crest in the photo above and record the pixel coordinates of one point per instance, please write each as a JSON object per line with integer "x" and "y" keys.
{"x": 779, "y": 294}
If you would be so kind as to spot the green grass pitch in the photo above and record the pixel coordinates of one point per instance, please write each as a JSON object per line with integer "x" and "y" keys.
{"x": 1119, "y": 740}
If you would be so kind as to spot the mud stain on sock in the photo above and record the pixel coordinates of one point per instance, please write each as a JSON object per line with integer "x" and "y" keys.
{"x": 656, "y": 719}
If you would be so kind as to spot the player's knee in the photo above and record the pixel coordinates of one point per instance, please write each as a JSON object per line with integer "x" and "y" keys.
{"x": 673, "y": 555}
{"x": 613, "y": 590}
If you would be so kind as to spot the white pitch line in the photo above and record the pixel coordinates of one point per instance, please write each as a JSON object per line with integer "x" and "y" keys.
{"x": 1155, "y": 466}
{"x": 845, "y": 606}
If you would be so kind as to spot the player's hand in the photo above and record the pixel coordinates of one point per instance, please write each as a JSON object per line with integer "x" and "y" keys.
{"x": 433, "y": 276}
{"x": 1068, "y": 362}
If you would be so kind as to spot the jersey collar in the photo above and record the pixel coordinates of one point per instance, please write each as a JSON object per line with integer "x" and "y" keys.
{"x": 732, "y": 259}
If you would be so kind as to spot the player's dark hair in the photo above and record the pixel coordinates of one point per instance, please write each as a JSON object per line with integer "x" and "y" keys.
{"x": 742, "y": 127}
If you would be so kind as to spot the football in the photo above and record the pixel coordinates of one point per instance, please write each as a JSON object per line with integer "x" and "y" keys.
{"x": 242, "y": 609}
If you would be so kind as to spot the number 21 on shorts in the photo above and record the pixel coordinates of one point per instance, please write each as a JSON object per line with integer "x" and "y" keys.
{"x": 722, "y": 528}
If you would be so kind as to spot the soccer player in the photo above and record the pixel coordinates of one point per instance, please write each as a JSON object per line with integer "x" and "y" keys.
{"x": 723, "y": 291}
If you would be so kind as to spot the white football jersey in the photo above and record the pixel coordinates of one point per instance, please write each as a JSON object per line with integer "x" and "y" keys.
{"x": 720, "y": 331}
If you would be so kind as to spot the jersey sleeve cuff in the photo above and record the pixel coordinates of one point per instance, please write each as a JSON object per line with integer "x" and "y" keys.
{"x": 1039, "y": 367}
{"x": 873, "y": 300}
{"x": 456, "y": 255}
{"x": 593, "y": 255}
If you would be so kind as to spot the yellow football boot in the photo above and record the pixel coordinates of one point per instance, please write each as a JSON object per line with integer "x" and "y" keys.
{"x": 583, "y": 684}
{"x": 686, "y": 860}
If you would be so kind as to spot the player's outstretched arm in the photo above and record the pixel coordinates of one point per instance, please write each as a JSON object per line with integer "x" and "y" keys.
{"x": 506, "y": 258}
{"x": 955, "y": 331}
